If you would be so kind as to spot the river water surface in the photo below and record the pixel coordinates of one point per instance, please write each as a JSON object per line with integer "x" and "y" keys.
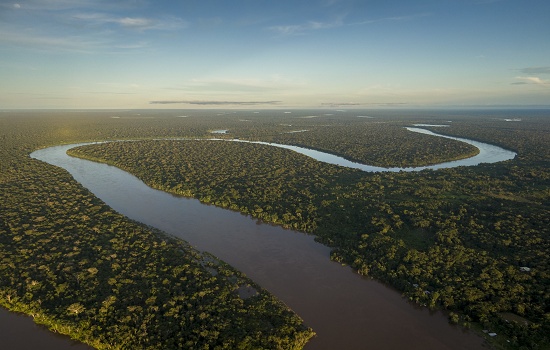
{"x": 19, "y": 332}
{"x": 487, "y": 154}
{"x": 346, "y": 311}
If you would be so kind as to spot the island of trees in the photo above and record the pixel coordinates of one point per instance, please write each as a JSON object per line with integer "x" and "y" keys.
{"x": 471, "y": 240}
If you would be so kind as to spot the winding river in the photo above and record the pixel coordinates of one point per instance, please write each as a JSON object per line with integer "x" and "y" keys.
{"x": 347, "y": 311}
{"x": 487, "y": 154}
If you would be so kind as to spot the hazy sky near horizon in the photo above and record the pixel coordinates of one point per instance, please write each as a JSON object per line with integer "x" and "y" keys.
{"x": 270, "y": 54}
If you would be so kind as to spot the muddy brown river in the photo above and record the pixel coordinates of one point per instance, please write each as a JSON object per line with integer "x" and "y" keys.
{"x": 346, "y": 310}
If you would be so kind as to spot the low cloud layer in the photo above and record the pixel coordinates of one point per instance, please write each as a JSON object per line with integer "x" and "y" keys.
{"x": 533, "y": 80}
{"x": 351, "y": 104}
{"x": 535, "y": 70}
{"x": 340, "y": 104}
{"x": 216, "y": 103}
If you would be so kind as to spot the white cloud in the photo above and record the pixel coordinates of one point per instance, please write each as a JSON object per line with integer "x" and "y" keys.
{"x": 63, "y": 44}
{"x": 138, "y": 23}
{"x": 55, "y": 5}
{"x": 47, "y": 5}
{"x": 50, "y": 43}
{"x": 134, "y": 22}
{"x": 534, "y": 80}
{"x": 299, "y": 29}
{"x": 391, "y": 19}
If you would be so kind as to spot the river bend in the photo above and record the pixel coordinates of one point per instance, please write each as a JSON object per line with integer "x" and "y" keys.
{"x": 345, "y": 309}
{"x": 487, "y": 154}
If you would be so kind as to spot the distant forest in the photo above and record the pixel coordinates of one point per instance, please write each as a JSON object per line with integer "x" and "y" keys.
{"x": 471, "y": 240}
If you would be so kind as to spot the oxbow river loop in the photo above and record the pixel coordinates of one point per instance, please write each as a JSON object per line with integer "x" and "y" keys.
{"x": 346, "y": 310}
{"x": 487, "y": 154}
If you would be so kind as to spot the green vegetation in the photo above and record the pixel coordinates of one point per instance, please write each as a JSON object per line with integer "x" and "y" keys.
{"x": 368, "y": 143}
{"x": 81, "y": 269}
{"x": 454, "y": 238}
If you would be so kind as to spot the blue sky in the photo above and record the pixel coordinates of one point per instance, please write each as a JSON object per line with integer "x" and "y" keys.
{"x": 273, "y": 54}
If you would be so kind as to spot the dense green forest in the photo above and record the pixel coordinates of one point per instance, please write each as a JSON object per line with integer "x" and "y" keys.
{"x": 81, "y": 269}
{"x": 367, "y": 143}
{"x": 455, "y": 239}
{"x": 471, "y": 240}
